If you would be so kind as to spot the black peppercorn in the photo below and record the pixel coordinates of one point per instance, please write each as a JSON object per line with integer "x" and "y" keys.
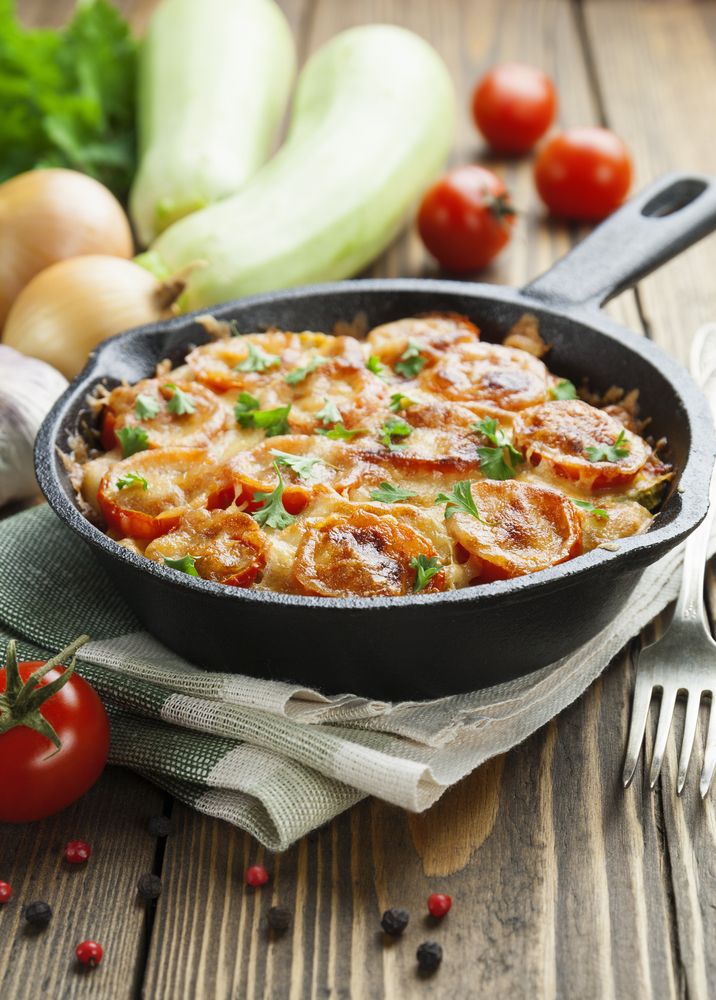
{"x": 278, "y": 918}
{"x": 149, "y": 886}
{"x": 430, "y": 955}
{"x": 38, "y": 914}
{"x": 160, "y": 826}
{"x": 395, "y": 921}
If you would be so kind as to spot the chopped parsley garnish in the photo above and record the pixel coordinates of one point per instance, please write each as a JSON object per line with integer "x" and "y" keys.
{"x": 339, "y": 432}
{"x": 299, "y": 374}
{"x": 145, "y": 407}
{"x": 387, "y": 493}
{"x": 610, "y": 453}
{"x": 185, "y": 564}
{"x": 426, "y": 567}
{"x": 131, "y": 479}
{"x": 591, "y": 509}
{"x": 375, "y": 365}
{"x": 180, "y": 402}
{"x": 329, "y": 412}
{"x": 248, "y": 414}
{"x": 302, "y": 465}
{"x": 257, "y": 360}
{"x": 272, "y": 512}
{"x": 563, "y": 390}
{"x": 132, "y": 440}
{"x": 410, "y": 362}
{"x": 461, "y": 498}
{"x": 244, "y": 408}
{"x": 400, "y": 402}
{"x": 392, "y": 428}
{"x": 499, "y": 461}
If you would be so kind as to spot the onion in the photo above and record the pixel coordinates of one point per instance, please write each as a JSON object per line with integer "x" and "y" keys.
{"x": 50, "y": 215}
{"x": 69, "y": 308}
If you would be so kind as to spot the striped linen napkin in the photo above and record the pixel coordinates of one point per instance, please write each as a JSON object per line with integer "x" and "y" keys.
{"x": 272, "y": 757}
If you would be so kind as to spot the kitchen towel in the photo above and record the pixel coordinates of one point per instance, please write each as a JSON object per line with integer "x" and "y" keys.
{"x": 272, "y": 757}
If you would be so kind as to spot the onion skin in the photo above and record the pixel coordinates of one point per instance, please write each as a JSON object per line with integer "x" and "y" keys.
{"x": 51, "y": 215}
{"x": 69, "y": 308}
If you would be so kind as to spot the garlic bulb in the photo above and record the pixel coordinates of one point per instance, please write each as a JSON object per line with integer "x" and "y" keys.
{"x": 28, "y": 388}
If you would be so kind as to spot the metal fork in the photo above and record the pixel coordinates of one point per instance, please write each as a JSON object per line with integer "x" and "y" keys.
{"x": 683, "y": 660}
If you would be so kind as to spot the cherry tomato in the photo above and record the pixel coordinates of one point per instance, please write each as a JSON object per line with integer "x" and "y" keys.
{"x": 36, "y": 779}
{"x": 583, "y": 173}
{"x": 513, "y": 106}
{"x": 466, "y": 218}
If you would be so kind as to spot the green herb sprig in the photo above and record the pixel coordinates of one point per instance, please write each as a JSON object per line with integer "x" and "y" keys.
{"x": 185, "y": 564}
{"x": 498, "y": 461}
{"x": 130, "y": 479}
{"x": 387, "y": 493}
{"x": 564, "y": 389}
{"x": 272, "y": 513}
{"x": 609, "y": 453}
{"x": 180, "y": 402}
{"x": 410, "y": 362}
{"x": 132, "y": 440}
{"x": 145, "y": 407}
{"x": 392, "y": 428}
{"x": 426, "y": 567}
{"x": 257, "y": 360}
{"x": 460, "y": 499}
{"x": 591, "y": 509}
{"x": 302, "y": 465}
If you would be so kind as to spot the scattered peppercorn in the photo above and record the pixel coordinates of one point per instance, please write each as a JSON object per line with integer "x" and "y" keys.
{"x": 89, "y": 953}
{"x": 159, "y": 826}
{"x": 5, "y": 892}
{"x": 38, "y": 914}
{"x": 395, "y": 921}
{"x": 430, "y": 955}
{"x": 278, "y": 918}
{"x": 439, "y": 904}
{"x": 77, "y": 852}
{"x": 256, "y": 875}
{"x": 149, "y": 886}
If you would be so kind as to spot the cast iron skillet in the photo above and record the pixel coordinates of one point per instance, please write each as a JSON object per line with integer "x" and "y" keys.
{"x": 437, "y": 644}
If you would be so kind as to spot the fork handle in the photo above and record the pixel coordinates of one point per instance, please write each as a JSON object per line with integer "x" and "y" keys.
{"x": 691, "y": 606}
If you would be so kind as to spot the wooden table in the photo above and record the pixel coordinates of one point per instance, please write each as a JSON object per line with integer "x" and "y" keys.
{"x": 564, "y": 885}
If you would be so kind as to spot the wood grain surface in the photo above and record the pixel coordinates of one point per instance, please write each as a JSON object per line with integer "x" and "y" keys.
{"x": 563, "y": 885}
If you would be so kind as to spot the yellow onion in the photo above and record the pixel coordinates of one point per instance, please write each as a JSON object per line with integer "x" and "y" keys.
{"x": 69, "y": 308}
{"x": 50, "y": 215}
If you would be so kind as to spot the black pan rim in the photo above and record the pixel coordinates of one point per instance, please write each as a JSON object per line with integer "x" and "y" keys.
{"x": 639, "y": 550}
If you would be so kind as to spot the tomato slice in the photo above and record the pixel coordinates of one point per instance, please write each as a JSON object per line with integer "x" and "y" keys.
{"x": 227, "y": 546}
{"x": 176, "y": 478}
{"x": 489, "y": 378}
{"x": 434, "y": 333}
{"x": 361, "y": 554}
{"x": 522, "y": 528}
{"x": 560, "y": 434}
{"x": 167, "y": 428}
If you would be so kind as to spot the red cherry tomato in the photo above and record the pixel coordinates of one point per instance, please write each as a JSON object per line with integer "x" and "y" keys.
{"x": 36, "y": 780}
{"x": 466, "y": 218}
{"x": 513, "y": 106}
{"x": 583, "y": 173}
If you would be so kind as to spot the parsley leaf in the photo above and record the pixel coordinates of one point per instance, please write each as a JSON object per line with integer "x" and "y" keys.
{"x": 425, "y": 569}
{"x": 339, "y": 432}
{"x": 461, "y": 498}
{"x": 394, "y": 427}
{"x": 387, "y": 493}
{"x": 610, "y": 453}
{"x": 272, "y": 513}
{"x": 145, "y": 407}
{"x": 375, "y": 365}
{"x": 400, "y": 402}
{"x": 496, "y": 462}
{"x": 185, "y": 564}
{"x": 132, "y": 440}
{"x": 563, "y": 390}
{"x": 410, "y": 363}
{"x": 591, "y": 509}
{"x": 257, "y": 360}
{"x": 131, "y": 479}
{"x": 299, "y": 374}
{"x": 302, "y": 465}
{"x": 248, "y": 414}
{"x": 180, "y": 402}
{"x": 244, "y": 407}
{"x": 329, "y": 412}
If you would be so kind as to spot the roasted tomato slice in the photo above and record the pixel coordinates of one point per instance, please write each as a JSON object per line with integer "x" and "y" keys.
{"x": 569, "y": 436}
{"x": 434, "y": 333}
{"x": 175, "y": 478}
{"x": 522, "y": 528}
{"x": 489, "y": 378}
{"x": 225, "y": 546}
{"x": 202, "y": 419}
{"x": 360, "y": 554}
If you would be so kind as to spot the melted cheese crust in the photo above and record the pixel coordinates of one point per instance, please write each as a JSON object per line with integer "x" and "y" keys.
{"x": 422, "y": 405}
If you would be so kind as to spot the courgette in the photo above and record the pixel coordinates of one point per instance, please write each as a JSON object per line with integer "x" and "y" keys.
{"x": 372, "y": 124}
{"x": 214, "y": 81}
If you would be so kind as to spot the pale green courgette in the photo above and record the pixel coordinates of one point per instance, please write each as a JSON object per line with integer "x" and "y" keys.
{"x": 214, "y": 81}
{"x": 372, "y": 124}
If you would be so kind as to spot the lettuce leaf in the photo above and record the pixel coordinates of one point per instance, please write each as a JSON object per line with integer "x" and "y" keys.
{"x": 67, "y": 96}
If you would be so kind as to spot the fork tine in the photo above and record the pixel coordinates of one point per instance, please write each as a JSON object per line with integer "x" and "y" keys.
{"x": 639, "y": 713}
{"x": 687, "y": 743}
{"x": 666, "y": 714}
{"x": 709, "y": 754}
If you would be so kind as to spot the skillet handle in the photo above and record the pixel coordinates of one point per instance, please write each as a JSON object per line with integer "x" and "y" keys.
{"x": 652, "y": 227}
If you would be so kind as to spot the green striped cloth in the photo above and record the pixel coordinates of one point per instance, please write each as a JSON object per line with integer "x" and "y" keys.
{"x": 273, "y": 758}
